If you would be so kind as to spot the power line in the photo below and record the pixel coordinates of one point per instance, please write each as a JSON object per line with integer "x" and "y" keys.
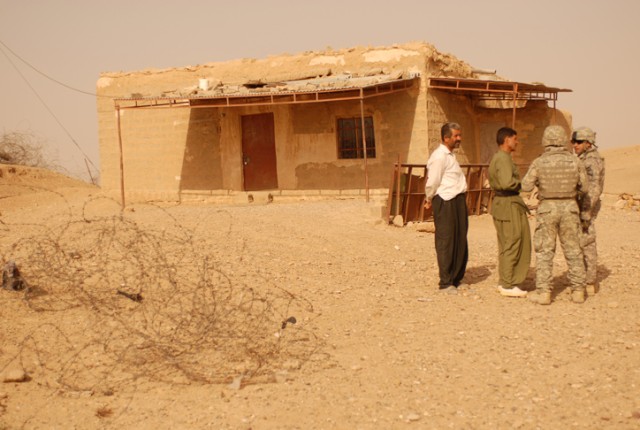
{"x": 87, "y": 158}
{"x": 42, "y": 73}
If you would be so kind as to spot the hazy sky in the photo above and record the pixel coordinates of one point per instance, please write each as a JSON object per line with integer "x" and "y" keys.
{"x": 589, "y": 46}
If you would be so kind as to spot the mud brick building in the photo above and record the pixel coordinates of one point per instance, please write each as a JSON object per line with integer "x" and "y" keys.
{"x": 329, "y": 123}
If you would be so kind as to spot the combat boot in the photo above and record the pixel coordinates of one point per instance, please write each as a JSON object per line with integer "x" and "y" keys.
{"x": 592, "y": 289}
{"x": 540, "y": 297}
{"x": 577, "y": 296}
{"x": 511, "y": 292}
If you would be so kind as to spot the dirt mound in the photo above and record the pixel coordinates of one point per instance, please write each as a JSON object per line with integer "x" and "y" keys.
{"x": 11, "y": 174}
{"x": 622, "y": 174}
{"x": 24, "y": 186}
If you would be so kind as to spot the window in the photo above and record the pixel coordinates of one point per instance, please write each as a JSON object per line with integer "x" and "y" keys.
{"x": 350, "y": 137}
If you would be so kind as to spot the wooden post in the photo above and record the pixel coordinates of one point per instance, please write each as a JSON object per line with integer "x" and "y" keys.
{"x": 398, "y": 178}
{"x": 364, "y": 144}
{"x": 121, "y": 157}
{"x": 515, "y": 104}
{"x": 392, "y": 186}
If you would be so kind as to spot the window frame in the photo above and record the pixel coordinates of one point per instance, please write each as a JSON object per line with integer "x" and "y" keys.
{"x": 343, "y": 143}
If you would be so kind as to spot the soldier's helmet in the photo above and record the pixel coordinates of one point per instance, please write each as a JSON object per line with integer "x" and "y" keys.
{"x": 554, "y": 135}
{"x": 584, "y": 133}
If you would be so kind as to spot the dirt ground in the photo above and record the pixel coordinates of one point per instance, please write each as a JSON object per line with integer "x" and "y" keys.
{"x": 298, "y": 315}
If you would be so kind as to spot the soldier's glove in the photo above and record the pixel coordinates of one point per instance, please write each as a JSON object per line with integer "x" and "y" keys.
{"x": 585, "y": 225}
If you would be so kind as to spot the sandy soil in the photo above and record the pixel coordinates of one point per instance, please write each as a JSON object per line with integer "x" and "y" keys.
{"x": 307, "y": 315}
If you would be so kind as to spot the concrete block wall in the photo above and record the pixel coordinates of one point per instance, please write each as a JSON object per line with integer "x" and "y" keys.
{"x": 153, "y": 146}
{"x": 531, "y": 120}
{"x": 446, "y": 107}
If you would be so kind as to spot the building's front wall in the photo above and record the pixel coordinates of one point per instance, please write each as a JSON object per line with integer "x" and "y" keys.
{"x": 306, "y": 144}
{"x": 315, "y": 163}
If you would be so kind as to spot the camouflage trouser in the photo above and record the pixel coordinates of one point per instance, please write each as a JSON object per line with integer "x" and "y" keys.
{"x": 558, "y": 218}
{"x": 588, "y": 243}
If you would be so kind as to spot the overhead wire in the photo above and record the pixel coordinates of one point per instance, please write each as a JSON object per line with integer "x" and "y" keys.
{"x": 35, "y": 69}
{"x": 4, "y": 46}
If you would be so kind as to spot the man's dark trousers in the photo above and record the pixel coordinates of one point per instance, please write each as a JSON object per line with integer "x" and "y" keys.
{"x": 451, "y": 220}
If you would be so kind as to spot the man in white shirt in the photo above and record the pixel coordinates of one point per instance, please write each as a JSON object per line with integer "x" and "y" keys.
{"x": 445, "y": 193}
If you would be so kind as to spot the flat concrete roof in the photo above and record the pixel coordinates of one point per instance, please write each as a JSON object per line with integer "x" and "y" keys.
{"x": 323, "y": 89}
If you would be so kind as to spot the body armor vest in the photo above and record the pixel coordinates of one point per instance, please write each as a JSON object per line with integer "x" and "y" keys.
{"x": 557, "y": 175}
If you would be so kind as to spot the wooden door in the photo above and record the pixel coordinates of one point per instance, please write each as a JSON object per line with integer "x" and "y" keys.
{"x": 259, "y": 152}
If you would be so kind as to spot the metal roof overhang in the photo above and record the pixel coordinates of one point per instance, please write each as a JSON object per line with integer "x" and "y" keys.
{"x": 497, "y": 90}
{"x": 270, "y": 98}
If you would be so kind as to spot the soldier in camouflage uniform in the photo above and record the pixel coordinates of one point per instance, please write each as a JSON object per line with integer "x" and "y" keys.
{"x": 560, "y": 176}
{"x": 584, "y": 145}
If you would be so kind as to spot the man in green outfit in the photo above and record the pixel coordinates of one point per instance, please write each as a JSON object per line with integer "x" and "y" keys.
{"x": 509, "y": 216}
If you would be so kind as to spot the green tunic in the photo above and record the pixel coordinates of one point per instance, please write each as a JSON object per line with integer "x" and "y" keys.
{"x": 510, "y": 219}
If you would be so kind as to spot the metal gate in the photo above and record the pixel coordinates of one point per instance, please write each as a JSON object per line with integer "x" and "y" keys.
{"x": 406, "y": 193}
